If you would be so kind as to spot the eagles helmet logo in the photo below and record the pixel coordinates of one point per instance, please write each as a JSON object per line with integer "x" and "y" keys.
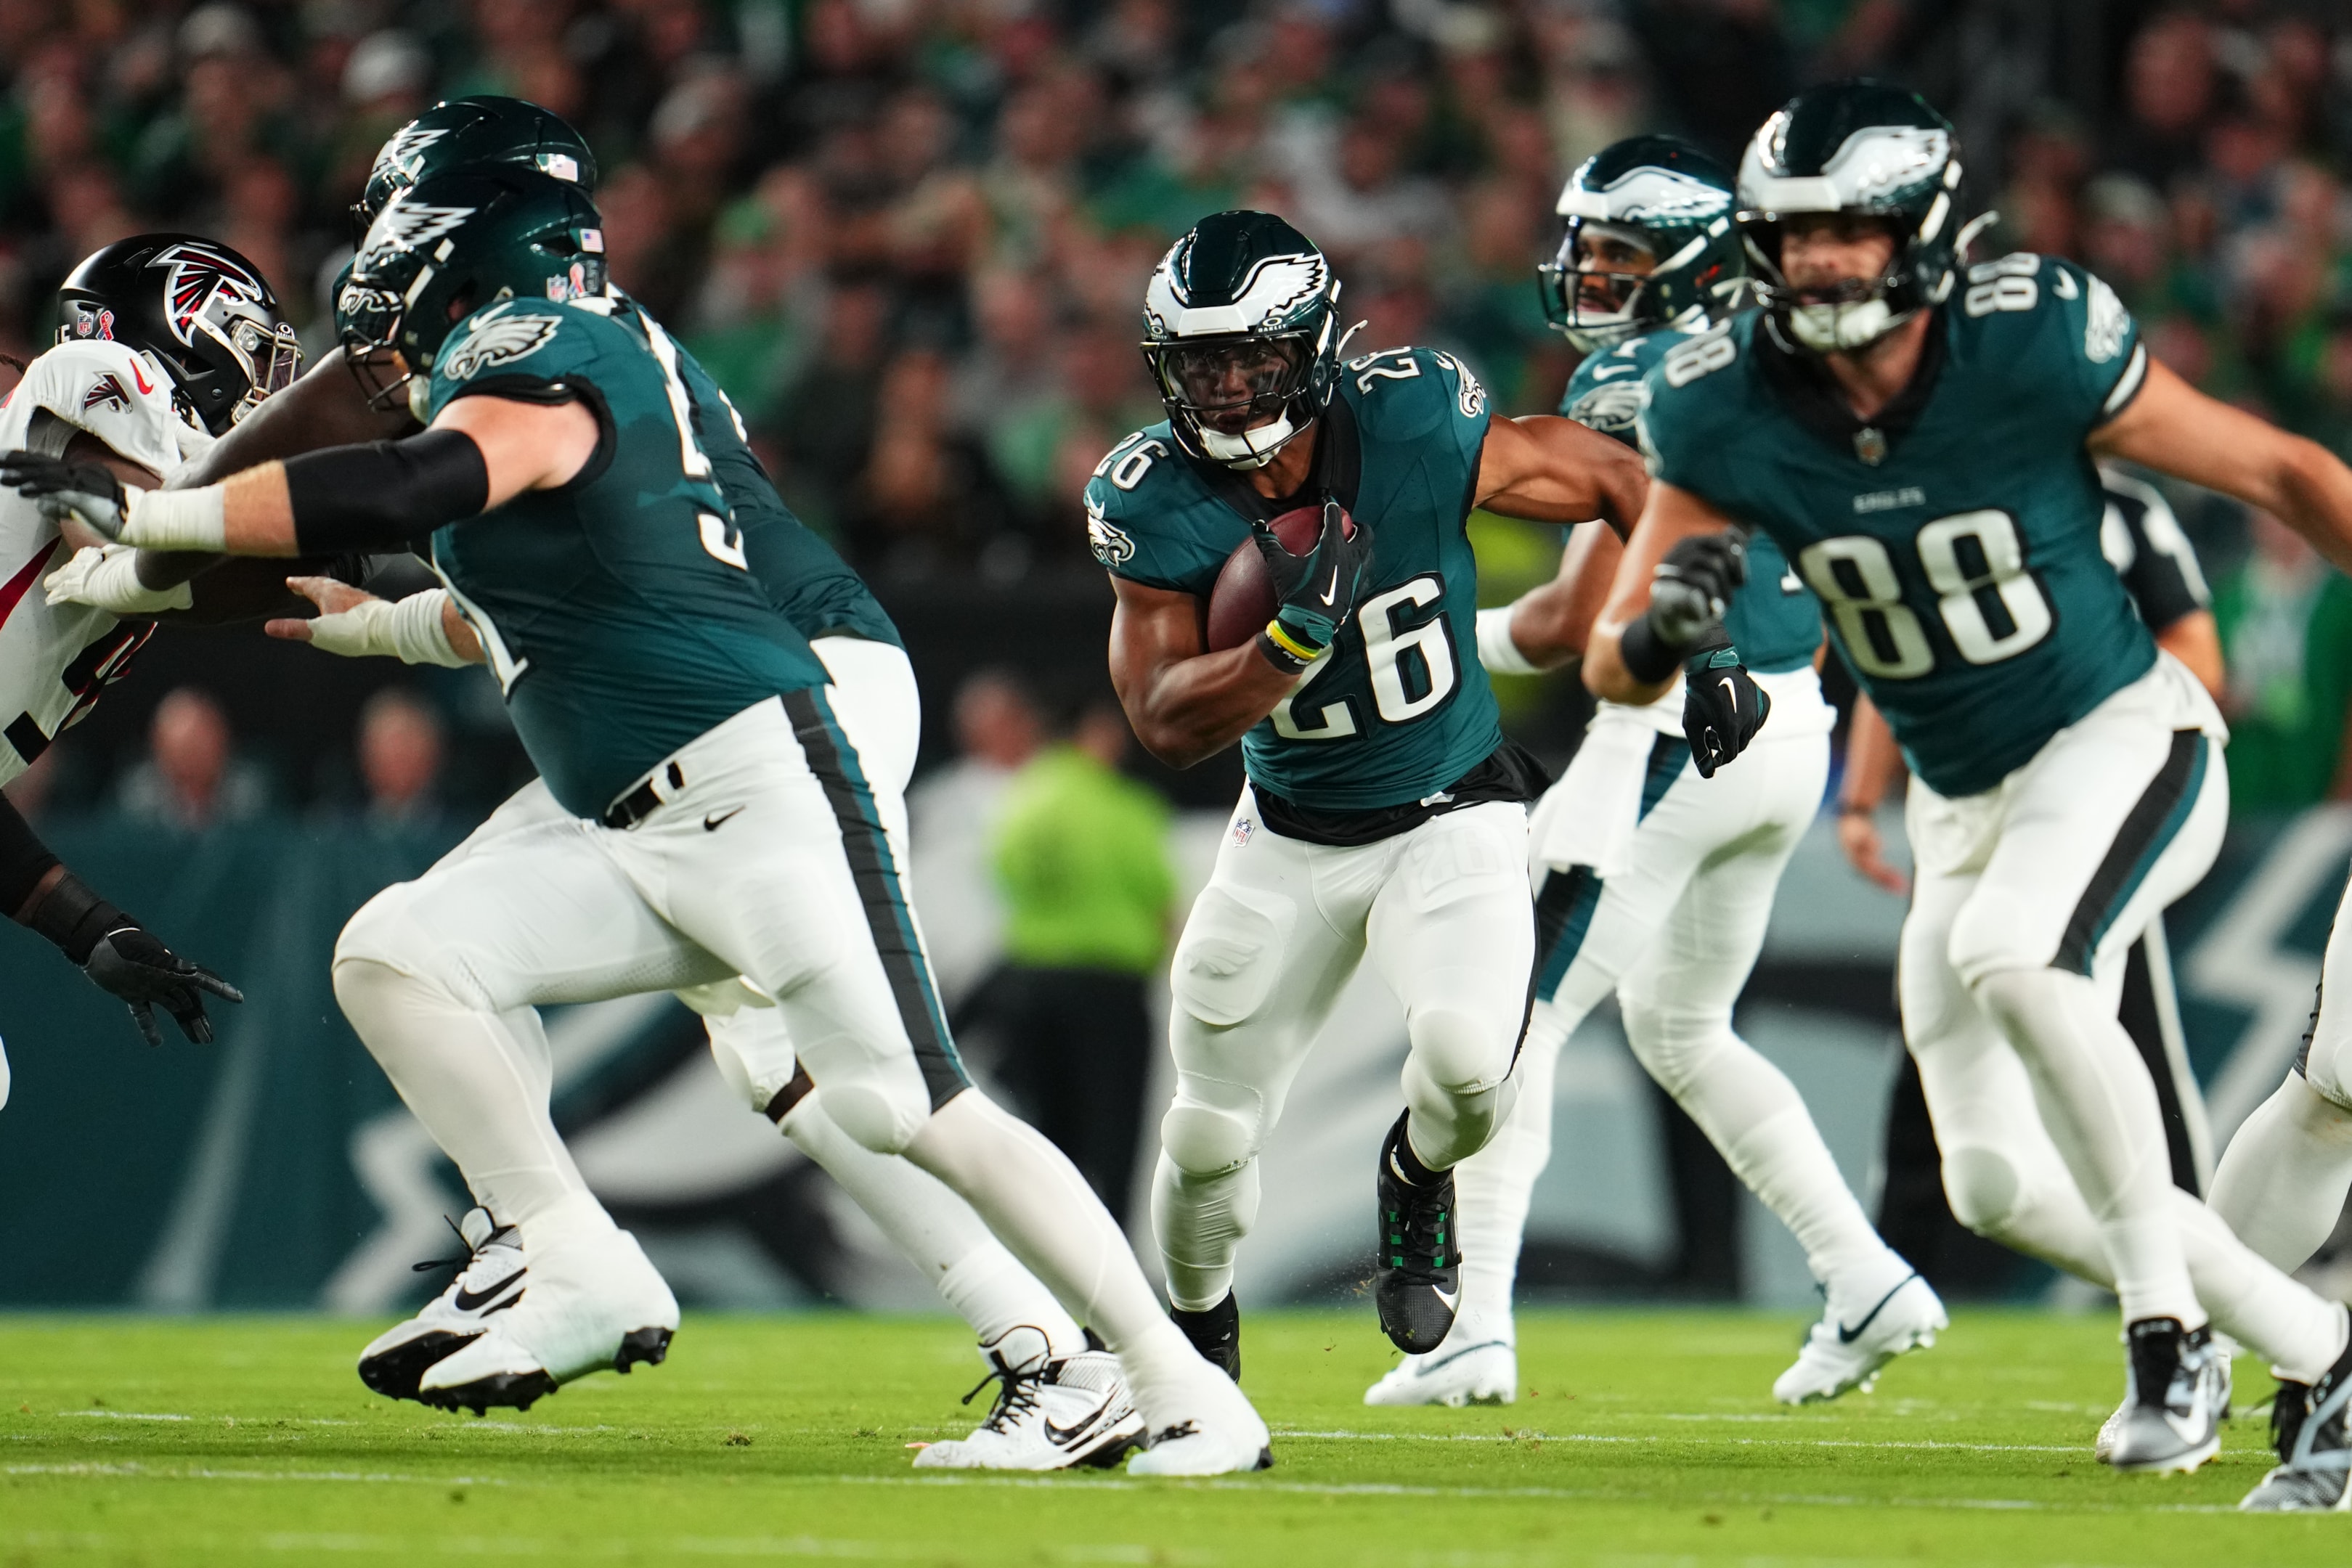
{"x": 412, "y": 226}
{"x": 197, "y": 275}
{"x": 405, "y": 151}
{"x": 1111, "y": 544}
{"x": 498, "y": 338}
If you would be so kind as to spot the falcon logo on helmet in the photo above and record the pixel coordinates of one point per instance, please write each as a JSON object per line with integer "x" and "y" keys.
{"x": 1241, "y": 337}
{"x": 1646, "y": 241}
{"x": 197, "y": 276}
{"x": 209, "y": 321}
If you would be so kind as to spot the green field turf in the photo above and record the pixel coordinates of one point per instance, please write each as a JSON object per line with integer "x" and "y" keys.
{"x": 1639, "y": 1438}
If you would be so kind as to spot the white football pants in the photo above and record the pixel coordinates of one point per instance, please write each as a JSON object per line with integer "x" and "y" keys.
{"x": 1675, "y": 934}
{"x": 772, "y": 855}
{"x": 2283, "y": 1180}
{"x": 2026, "y": 899}
{"x": 1442, "y": 911}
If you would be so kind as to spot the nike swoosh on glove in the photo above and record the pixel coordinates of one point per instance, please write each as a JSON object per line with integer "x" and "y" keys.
{"x": 1723, "y": 707}
{"x": 131, "y": 963}
{"x": 88, "y": 491}
{"x": 1317, "y": 590}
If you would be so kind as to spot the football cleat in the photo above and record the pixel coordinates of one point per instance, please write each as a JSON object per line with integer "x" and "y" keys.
{"x": 1216, "y": 1334}
{"x": 1417, "y": 1276}
{"x": 1857, "y": 1337}
{"x": 2307, "y": 1427}
{"x": 595, "y": 1302}
{"x": 2171, "y": 1420}
{"x": 1210, "y": 1430}
{"x": 2103, "y": 1444}
{"x": 1484, "y": 1373}
{"x": 491, "y": 1279}
{"x": 1048, "y": 1416}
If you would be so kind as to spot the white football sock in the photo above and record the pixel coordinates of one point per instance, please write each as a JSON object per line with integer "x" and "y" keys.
{"x": 1758, "y": 1121}
{"x": 1034, "y": 1200}
{"x": 2281, "y": 1182}
{"x": 936, "y": 1232}
{"x": 477, "y": 1080}
{"x": 1199, "y": 1221}
{"x": 1493, "y": 1187}
{"x": 2101, "y": 1110}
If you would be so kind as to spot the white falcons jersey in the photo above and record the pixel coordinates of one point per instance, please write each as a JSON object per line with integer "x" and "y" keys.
{"x": 55, "y": 659}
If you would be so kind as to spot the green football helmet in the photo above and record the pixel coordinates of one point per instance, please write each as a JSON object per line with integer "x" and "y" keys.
{"x": 484, "y": 132}
{"x": 1240, "y": 323}
{"x": 1865, "y": 148}
{"x": 1659, "y": 195}
{"x": 454, "y": 244}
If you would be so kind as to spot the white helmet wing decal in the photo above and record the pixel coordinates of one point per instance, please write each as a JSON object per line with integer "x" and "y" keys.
{"x": 1274, "y": 289}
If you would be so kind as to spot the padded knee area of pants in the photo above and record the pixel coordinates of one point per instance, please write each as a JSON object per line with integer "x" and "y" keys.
{"x": 1676, "y": 1045}
{"x": 881, "y": 1116}
{"x": 1203, "y": 1141}
{"x": 386, "y": 934}
{"x": 1994, "y": 932}
{"x": 1982, "y": 1188}
{"x": 1459, "y": 1054}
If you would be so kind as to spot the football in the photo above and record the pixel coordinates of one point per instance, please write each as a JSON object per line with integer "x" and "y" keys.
{"x": 1244, "y": 601}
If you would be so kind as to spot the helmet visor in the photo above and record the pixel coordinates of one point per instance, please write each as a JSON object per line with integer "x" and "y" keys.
{"x": 1233, "y": 384}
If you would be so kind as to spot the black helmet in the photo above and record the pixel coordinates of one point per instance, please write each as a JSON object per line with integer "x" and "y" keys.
{"x": 1671, "y": 199}
{"x": 1242, "y": 307}
{"x": 1859, "y": 147}
{"x": 454, "y": 244}
{"x": 198, "y": 306}
{"x": 484, "y": 132}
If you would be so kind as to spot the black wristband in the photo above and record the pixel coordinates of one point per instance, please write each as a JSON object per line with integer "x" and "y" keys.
{"x": 1648, "y": 657}
{"x": 384, "y": 493}
{"x": 24, "y": 860}
{"x": 74, "y": 917}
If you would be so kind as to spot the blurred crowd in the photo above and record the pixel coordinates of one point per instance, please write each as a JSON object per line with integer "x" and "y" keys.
{"x": 910, "y": 236}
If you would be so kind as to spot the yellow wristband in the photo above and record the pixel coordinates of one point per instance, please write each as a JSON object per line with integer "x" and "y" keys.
{"x": 1290, "y": 645}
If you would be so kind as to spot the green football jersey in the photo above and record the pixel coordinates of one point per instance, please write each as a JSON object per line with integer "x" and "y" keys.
{"x": 1399, "y": 707}
{"x": 1773, "y": 621}
{"x": 1954, "y": 540}
{"x": 619, "y": 612}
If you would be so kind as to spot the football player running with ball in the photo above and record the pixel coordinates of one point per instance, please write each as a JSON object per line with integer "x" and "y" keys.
{"x": 1385, "y": 814}
{"x": 1921, "y": 443}
{"x": 720, "y": 818}
{"x": 1654, "y": 865}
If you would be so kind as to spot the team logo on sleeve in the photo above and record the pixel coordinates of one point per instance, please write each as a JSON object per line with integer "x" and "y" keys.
{"x": 1111, "y": 544}
{"x": 1612, "y": 407}
{"x": 104, "y": 393}
{"x": 497, "y": 337}
{"x": 2107, "y": 324}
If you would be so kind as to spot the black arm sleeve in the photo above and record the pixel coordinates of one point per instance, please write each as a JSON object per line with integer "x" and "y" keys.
{"x": 23, "y": 859}
{"x": 2157, "y": 580}
{"x": 385, "y": 494}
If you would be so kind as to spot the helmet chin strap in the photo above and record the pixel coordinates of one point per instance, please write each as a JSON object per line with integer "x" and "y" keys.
{"x": 1242, "y": 450}
{"x": 1831, "y": 328}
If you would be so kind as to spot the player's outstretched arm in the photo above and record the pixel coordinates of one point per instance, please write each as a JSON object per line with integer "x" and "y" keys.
{"x": 1548, "y": 469}
{"x": 119, "y": 955}
{"x": 1676, "y": 576}
{"x": 421, "y": 629}
{"x": 1548, "y": 627}
{"x": 1185, "y": 703}
{"x": 2175, "y": 429}
{"x": 480, "y": 453}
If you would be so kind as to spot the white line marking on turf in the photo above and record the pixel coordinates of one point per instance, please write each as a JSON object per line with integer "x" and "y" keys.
{"x": 127, "y": 1414}
{"x": 172, "y": 1473}
{"x": 1532, "y": 1436}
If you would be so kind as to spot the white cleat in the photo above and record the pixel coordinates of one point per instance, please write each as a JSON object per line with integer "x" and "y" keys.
{"x": 1854, "y": 1340}
{"x": 1487, "y": 1373}
{"x": 1049, "y": 1415}
{"x": 2102, "y": 1448}
{"x": 491, "y": 1279}
{"x": 1215, "y": 1432}
{"x": 593, "y": 1303}
{"x": 2171, "y": 1422}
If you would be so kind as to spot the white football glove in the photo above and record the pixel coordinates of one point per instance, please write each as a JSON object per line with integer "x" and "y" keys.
{"x": 106, "y": 576}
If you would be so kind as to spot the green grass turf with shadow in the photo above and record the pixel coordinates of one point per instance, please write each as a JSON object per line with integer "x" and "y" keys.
{"x": 1640, "y": 1438}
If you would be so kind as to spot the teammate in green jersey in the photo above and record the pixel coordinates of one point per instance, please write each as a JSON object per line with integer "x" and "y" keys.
{"x": 1384, "y": 812}
{"x": 723, "y": 820}
{"x": 1653, "y": 868}
{"x": 1920, "y": 441}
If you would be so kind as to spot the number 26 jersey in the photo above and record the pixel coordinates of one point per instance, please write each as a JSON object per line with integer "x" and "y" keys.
{"x": 1399, "y": 708}
{"x": 1953, "y": 539}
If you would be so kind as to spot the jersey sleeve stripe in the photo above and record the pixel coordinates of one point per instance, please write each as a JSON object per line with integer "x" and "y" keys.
{"x": 2128, "y": 385}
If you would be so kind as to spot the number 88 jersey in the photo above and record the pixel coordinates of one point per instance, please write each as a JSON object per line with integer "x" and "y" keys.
{"x": 1953, "y": 540}
{"x": 1399, "y": 708}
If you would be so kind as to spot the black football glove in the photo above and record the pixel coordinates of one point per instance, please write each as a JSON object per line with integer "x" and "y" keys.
{"x": 1723, "y": 707}
{"x": 124, "y": 959}
{"x": 1317, "y": 590}
{"x": 1694, "y": 585}
{"x": 86, "y": 490}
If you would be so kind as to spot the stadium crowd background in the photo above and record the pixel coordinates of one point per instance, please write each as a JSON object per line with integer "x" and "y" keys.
{"x": 909, "y": 235}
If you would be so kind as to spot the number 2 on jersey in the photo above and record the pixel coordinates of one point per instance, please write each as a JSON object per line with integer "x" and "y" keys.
{"x": 1990, "y": 605}
{"x": 1388, "y": 651}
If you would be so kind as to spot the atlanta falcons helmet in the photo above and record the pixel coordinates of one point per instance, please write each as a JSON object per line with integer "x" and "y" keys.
{"x": 199, "y": 308}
